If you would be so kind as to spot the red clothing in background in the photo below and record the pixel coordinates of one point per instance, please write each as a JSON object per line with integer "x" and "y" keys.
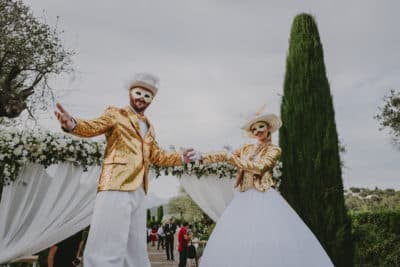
{"x": 153, "y": 236}
{"x": 183, "y": 243}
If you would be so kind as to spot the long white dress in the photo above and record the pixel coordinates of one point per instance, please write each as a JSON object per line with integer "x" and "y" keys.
{"x": 261, "y": 229}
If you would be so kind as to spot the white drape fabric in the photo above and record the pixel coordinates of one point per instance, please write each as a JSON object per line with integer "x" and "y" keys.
{"x": 211, "y": 193}
{"x": 44, "y": 207}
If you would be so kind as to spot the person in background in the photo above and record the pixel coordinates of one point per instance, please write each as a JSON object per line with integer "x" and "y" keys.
{"x": 183, "y": 241}
{"x": 161, "y": 237}
{"x": 148, "y": 235}
{"x": 169, "y": 230}
{"x": 153, "y": 235}
{"x": 64, "y": 253}
{"x": 78, "y": 262}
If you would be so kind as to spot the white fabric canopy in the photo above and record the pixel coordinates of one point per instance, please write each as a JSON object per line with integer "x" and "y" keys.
{"x": 211, "y": 193}
{"x": 45, "y": 206}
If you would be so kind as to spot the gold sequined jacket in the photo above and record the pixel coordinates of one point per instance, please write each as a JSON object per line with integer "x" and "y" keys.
{"x": 128, "y": 154}
{"x": 254, "y": 162}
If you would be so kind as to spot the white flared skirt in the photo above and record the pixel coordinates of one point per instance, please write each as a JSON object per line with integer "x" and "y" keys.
{"x": 261, "y": 229}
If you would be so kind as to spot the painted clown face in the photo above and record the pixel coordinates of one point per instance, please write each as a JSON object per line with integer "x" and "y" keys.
{"x": 140, "y": 98}
{"x": 260, "y": 130}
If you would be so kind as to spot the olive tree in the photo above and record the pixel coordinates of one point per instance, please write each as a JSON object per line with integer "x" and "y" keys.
{"x": 30, "y": 53}
{"x": 389, "y": 115}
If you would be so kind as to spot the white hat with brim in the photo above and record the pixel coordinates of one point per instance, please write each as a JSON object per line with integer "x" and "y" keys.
{"x": 273, "y": 120}
{"x": 146, "y": 81}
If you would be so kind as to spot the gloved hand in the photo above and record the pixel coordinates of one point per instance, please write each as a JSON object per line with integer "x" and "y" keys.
{"x": 190, "y": 155}
{"x": 196, "y": 156}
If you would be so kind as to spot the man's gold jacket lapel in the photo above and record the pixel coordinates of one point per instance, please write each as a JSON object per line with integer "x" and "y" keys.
{"x": 128, "y": 155}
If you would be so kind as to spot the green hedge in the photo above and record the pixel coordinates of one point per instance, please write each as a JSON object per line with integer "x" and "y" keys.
{"x": 377, "y": 238}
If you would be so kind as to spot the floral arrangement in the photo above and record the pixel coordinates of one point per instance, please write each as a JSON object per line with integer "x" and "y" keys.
{"x": 219, "y": 169}
{"x": 47, "y": 148}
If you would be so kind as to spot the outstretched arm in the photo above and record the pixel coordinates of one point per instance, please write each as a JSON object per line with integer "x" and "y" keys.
{"x": 221, "y": 156}
{"x": 85, "y": 128}
{"x": 66, "y": 121}
{"x": 261, "y": 165}
{"x": 163, "y": 158}
{"x": 50, "y": 256}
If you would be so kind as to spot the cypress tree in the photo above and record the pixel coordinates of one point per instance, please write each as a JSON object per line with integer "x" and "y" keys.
{"x": 160, "y": 213}
{"x": 148, "y": 215}
{"x": 312, "y": 176}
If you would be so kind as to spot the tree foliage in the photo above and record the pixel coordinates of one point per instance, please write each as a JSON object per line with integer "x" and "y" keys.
{"x": 160, "y": 213}
{"x": 377, "y": 238}
{"x": 389, "y": 115}
{"x": 30, "y": 52}
{"x": 184, "y": 208}
{"x": 312, "y": 177}
{"x": 148, "y": 215}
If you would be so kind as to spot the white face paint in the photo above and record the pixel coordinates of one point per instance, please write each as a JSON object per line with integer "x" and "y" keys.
{"x": 138, "y": 93}
{"x": 260, "y": 126}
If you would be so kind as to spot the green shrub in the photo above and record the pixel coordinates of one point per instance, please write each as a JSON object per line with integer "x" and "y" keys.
{"x": 377, "y": 238}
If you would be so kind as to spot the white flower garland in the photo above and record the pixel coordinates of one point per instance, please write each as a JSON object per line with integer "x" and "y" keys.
{"x": 46, "y": 148}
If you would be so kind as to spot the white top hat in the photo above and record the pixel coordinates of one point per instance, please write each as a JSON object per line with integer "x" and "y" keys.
{"x": 273, "y": 121}
{"x": 145, "y": 80}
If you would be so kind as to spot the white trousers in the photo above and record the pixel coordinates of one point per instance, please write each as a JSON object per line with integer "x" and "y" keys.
{"x": 117, "y": 236}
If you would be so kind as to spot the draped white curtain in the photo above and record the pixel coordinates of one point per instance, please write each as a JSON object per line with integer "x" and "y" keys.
{"x": 211, "y": 193}
{"x": 45, "y": 206}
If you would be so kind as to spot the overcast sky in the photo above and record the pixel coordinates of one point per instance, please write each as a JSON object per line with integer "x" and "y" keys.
{"x": 220, "y": 60}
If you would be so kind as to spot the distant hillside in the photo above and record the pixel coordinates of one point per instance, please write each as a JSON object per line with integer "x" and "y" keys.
{"x": 364, "y": 199}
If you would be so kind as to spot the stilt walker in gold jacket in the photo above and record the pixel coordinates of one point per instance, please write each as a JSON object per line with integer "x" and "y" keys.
{"x": 258, "y": 227}
{"x": 118, "y": 230}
